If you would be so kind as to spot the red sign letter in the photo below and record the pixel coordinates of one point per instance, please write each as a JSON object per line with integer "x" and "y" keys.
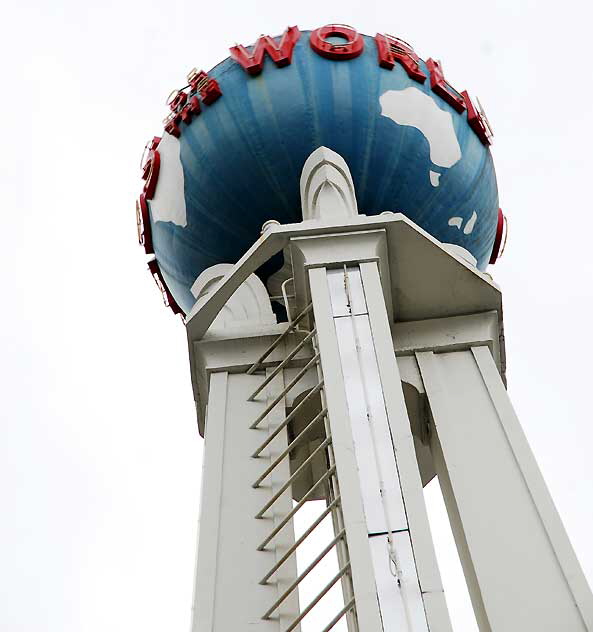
{"x": 157, "y": 275}
{"x": 205, "y": 86}
{"x": 352, "y": 48}
{"x": 150, "y": 168}
{"x": 192, "y": 107}
{"x": 440, "y": 86}
{"x": 281, "y": 54}
{"x": 391, "y": 49}
{"x": 477, "y": 121}
{"x": 185, "y": 106}
{"x": 500, "y": 232}
{"x": 172, "y": 124}
{"x": 143, "y": 225}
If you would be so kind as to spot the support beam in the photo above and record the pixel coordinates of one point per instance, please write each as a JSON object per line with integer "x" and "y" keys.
{"x": 424, "y": 554}
{"x": 365, "y": 594}
{"x": 227, "y": 594}
{"x": 349, "y": 340}
{"x": 520, "y": 567}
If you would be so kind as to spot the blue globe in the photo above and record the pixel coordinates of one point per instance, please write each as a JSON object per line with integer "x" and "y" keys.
{"x": 237, "y": 163}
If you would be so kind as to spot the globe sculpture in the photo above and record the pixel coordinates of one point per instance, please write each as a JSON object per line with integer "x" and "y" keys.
{"x": 237, "y": 137}
{"x": 379, "y": 367}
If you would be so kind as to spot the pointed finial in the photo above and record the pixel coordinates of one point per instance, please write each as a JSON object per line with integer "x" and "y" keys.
{"x": 327, "y": 190}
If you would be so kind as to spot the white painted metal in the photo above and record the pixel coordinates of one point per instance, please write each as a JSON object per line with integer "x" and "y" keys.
{"x": 324, "y": 480}
{"x": 401, "y": 602}
{"x": 548, "y": 514}
{"x": 520, "y": 568}
{"x": 422, "y": 277}
{"x": 228, "y": 533}
{"x": 451, "y": 334}
{"x": 411, "y": 484}
{"x": 327, "y": 191}
{"x": 389, "y": 305}
{"x": 378, "y": 478}
{"x": 383, "y": 503}
{"x": 376, "y": 475}
{"x": 367, "y": 609}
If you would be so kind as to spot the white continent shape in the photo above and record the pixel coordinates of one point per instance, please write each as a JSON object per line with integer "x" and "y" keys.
{"x": 415, "y": 108}
{"x": 168, "y": 203}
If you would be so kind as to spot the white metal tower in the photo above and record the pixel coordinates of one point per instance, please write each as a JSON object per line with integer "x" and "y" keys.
{"x": 389, "y": 370}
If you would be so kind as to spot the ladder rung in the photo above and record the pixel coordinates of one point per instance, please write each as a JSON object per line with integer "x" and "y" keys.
{"x": 304, "y": 574}
{"x": 291, "y": 415}
{"x": 278, "y": 340}
{"x": 319, "y": 597}
{"x": 340, "y": 614}
{"x": 285, "y": 390}
{"x": 289, "y": 448}
{"x": 301, "y": 539}
{"x": 290, "y": 481}
{"x": 294, "y": 510}
{"x": 282, "y": 364}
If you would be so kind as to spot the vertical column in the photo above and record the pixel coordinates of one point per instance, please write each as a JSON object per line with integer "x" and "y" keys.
{"x": 429, "y": 577}
{"x": 228, "y": 594}
{"x": 363, "y": 580}
{"x": 376, "y": 517}
{"x": 521, "y": 570}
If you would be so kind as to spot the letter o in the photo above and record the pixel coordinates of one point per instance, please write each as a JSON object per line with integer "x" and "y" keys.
{"x": 352, "y": 48}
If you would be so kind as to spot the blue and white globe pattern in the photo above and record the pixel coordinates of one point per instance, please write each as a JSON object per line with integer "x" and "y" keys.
{"x": 239, "y": 162}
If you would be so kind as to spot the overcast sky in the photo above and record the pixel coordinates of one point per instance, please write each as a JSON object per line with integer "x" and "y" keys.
{"x": 100, "y": 457}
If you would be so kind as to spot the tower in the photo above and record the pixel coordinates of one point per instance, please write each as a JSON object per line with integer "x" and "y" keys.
{"x": 399, "y": 342}
{"x": 350, "y": 355}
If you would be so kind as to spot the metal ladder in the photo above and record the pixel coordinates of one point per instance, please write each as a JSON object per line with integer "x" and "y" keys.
{"x": 328, "y": 480}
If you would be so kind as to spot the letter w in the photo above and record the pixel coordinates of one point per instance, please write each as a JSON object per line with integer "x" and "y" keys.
{"x": 281, "y": 54}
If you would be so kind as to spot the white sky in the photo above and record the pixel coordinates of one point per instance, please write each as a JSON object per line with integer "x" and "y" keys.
{"x": 100, "y": 456}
